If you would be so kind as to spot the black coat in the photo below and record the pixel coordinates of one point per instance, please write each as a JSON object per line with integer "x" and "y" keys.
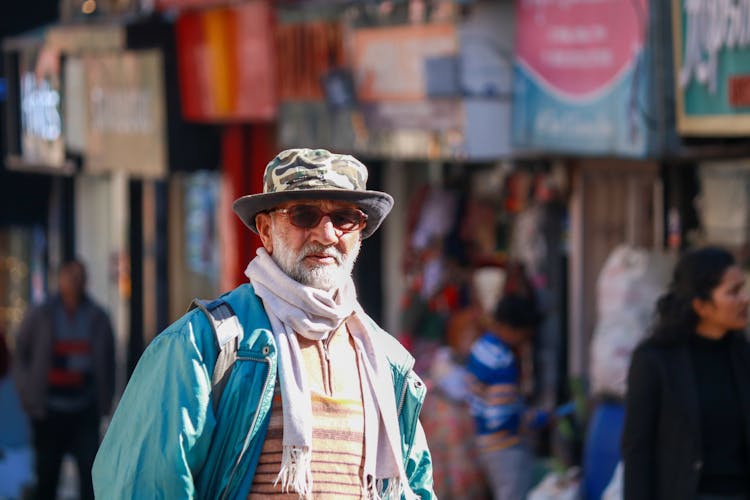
{"x": 661, "y": 442}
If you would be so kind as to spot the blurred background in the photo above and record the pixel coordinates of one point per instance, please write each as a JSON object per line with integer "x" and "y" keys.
{"x": 568, "y": 148}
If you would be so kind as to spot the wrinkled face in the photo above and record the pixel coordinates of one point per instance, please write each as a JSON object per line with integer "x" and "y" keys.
{"x": 727, "y": 308}
{"x": 320, "y": 257}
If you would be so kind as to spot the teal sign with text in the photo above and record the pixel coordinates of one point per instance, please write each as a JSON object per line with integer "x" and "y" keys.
{"x": 712, "y": 63}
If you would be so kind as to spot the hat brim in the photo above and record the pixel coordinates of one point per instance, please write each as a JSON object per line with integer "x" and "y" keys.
{"x": 375, "y": 204}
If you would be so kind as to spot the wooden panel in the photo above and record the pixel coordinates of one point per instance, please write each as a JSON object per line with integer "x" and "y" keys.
{"x": 616, "y": 207}
{"x": 307, "y": 51}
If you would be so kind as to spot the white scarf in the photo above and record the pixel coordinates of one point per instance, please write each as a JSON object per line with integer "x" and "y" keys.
{"x": 314, "y": 314}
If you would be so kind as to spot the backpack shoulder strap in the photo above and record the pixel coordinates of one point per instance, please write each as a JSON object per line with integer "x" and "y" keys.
{"x": 228, "y": 333}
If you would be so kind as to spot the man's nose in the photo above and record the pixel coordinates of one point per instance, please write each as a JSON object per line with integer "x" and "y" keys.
{"x": 325, "y": 232}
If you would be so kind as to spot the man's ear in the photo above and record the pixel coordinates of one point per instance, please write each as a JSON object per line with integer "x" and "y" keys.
{"x": 263, "y": 223}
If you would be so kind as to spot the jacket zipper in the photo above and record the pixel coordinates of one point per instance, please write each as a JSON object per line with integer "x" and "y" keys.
{"x": 415, "y": 420}
{"x": 402, "y": 399}
{"x": 252, "y": 425}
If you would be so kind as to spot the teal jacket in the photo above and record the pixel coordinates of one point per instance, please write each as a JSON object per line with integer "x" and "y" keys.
{"x": 166, "y": 441}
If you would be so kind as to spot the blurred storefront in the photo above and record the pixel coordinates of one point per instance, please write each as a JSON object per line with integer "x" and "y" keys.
{"x": 564, "y": 112}
{"x": 89, "y": 112}
{"x": 590, "y": 89}
{"x": 423, "y": 96}
{"x": 511, "y": 133}
{"x": 573, "y": 95}
{"x": 33, "y": 225}
{"x": 712, "y": 106}
{"x": 591, "y": 85}
{"x": 226, "y": 61}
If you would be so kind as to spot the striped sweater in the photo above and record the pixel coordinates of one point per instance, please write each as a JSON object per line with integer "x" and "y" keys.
{"x": 338, "y": 425}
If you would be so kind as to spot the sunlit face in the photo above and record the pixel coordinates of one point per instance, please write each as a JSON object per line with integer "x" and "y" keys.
{"x": 727, "y": 308}
{"x": 322, "y": 257}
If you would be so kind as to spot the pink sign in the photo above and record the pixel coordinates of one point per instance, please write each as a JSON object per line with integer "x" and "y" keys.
{"x": 579, "y": 48}
{"x": 188, "y": 4}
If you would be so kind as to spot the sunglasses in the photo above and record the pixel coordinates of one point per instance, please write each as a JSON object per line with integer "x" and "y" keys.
{"x": 308, "y": 217}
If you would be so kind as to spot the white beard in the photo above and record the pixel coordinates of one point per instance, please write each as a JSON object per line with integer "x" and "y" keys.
{"x": 324, "y": 277}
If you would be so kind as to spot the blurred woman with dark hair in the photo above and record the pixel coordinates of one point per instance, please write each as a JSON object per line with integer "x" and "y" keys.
{"x": 687, "y": 418}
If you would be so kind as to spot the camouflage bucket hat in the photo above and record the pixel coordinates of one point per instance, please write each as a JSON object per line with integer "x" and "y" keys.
{"x": 315, "y": 174}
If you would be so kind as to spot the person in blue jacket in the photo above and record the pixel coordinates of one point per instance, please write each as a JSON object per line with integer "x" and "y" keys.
{"x": 318, "y": 401}
{"x": 495, "y": 398}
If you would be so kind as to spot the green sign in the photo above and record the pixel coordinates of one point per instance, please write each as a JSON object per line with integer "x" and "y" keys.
{"x": 712, "y": 66}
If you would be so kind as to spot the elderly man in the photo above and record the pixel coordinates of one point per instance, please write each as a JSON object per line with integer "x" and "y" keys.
{"x": 283, "y": 387}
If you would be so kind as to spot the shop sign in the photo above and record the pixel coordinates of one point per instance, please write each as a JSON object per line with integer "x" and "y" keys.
{"x": 580, "y": 76}
{"x": 85, "y": 9}
{"x": 486, "y": 61}
{"x": 78, "y": 38}
{"x": 162, "y": 5}
{"x": 126, "y": 113}
{"x": 413, "y": 145}
{"x": 226, "y": 63}
{"x": 389, "y": 63}
{"x": 712, "y": 66}
{"x": 316, "y": 125}
{"x": 74, "y": 104}
{"x": 438, "y": 114}
{"x": 41, "y": 108}
{"x": 487, "y": 41}
{"x": 725, "y": 202}
{"x": 313, "y": 124}
{"x": 200, "y": 206}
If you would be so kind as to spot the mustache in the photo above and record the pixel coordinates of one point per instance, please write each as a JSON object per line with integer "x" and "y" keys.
{"x": 317, "y": 249}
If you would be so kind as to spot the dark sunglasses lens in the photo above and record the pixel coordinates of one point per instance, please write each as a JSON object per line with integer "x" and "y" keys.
{"x": 308, "y": 217}
{"x": 347, "y": 220}
{"x": 305, "y": 216}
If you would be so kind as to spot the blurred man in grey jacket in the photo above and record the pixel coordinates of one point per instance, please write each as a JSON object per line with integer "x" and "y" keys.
{"x": 64, "y": 372}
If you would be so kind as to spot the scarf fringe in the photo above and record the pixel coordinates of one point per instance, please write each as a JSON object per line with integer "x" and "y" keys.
{"x": 391, "y": 489}
{"x": 296, "y": 470}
